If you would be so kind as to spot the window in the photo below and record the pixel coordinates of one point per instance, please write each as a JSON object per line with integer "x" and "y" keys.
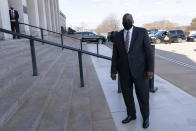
{"x": 172, "y": 32}
{"x": 85, "y": 34}
{"x": 180, "y": 32}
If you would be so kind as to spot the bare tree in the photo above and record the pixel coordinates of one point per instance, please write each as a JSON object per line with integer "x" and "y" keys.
{"x": 110, "y": 23}
{"x": 193, "y": 24}
{"x": 163, "y": 25}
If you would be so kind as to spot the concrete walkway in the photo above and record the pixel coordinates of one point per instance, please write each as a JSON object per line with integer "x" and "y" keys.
{"x": 171, "y": 108}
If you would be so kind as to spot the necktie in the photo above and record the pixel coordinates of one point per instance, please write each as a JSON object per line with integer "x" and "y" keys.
{"x": 12, "y": 12}
{"x": 127, "y": 41}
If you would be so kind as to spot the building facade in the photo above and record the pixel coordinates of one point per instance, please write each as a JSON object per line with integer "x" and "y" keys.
{"x": 41, "y": 13}
{"x": 62, "y": 18}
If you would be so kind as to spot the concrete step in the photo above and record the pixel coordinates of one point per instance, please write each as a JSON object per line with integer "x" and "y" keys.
{"x": 53, "y": 39}
{"x": 12, "y": 43}
{"x": 55, "y": 117}
{"x": 4, "y": 52}
{"x": 10, "y": 52}
{"x": 24, "y": 71}
{"x": 89, "y": 110}
{"x": 21, "y": 64}
{"x": 18, "y": 54}
{"x": 29, "y": 114}
{"x": 80, "y": 118}
{"x": 54, "y": 100}
{"x": 22, "y": 90}
{"x": 67, "y": 41}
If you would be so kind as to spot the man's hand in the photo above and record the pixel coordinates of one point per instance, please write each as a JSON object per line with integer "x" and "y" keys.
{"x": 113, "y": 76}
{"x": 149, "y": 75}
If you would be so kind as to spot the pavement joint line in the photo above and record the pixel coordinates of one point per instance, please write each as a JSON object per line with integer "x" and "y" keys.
{"x": 177, "y": 62}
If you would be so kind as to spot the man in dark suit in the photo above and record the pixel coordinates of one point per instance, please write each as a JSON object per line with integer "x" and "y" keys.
{"x": 132, "y": 59}
{"x": 14, "y": 16}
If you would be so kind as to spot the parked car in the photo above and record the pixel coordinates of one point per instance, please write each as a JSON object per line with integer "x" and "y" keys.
{"x": 92, "y": 37}
{"x": 168, "y": 36}
{"x": 152, "y": 34}
{"x": 152, "y": 31}
{"x": 176, "y": 36}
{"x": 71, "y": 31}
{"x": 158, "y": 37}
{"x": 191, "y": 38}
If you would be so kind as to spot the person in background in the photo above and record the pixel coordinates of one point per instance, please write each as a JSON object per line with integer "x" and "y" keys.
{"x": 14, "y": 16}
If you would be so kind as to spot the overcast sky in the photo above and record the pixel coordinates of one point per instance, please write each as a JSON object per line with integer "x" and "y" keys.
{"x": 92, "y": 12}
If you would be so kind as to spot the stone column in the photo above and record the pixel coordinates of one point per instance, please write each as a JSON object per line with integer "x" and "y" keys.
{"x": 33, "y": 15}
{"x": 21, "y": 7}
{"x": 62, "y": 20}
{"x": 48, "y": 14}
{"x": 42, "y": 15}
{"x": 56, "y": 15}
{"x": 58, "y": 19}
{"x": 4, "y": 19}
{"x": 53, "y": 15}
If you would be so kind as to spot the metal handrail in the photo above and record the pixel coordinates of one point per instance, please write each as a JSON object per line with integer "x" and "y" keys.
{"x": 34, "y": 65}
{"x": 152, "y": 88}
{"x": 42, "y": 29}
{"x": 55, "y": 44}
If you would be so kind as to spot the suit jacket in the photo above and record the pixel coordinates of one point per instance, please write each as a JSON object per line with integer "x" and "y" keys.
{"x": 16, "y": 15}
{"x": 138, "y": 60}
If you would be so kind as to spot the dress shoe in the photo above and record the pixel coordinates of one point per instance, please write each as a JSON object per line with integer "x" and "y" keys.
{"x": 153, "y": 90}
{"x": 146, "y": 124}
{"x": 128, "y": 119}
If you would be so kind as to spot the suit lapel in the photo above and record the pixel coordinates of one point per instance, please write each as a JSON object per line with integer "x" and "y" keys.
{"x": 134, "y": 36}
{"x": 122, "y": 40}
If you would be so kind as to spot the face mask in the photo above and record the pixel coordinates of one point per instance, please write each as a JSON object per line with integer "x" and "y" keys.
{"x": 12, "y": 8}
{"x": 127, "y": 24}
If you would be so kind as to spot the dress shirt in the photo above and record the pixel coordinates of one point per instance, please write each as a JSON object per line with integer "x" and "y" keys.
{"x": 12, "y": 14}
{"x": 130, "y": 35}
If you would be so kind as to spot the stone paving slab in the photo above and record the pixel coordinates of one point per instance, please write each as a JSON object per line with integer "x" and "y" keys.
{"x": 171, "y": 108}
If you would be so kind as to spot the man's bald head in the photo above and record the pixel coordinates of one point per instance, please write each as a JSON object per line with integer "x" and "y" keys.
{"x": 127, "y": 21}
{"x": 12, "y": 7}
{"x": 128, "y": 16}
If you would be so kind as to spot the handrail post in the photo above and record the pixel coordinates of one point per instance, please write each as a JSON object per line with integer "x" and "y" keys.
{"x": 81, "y": 44}
{"x": 42, "y": 34}
{"x": 81, "y": 69}
{"x": 62, "y": 40}
{"x": 33, "y": 57}
{"x": 98, "y": 48}
{"x": 151, "y": 81}
{"x": 119, "y": 86}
